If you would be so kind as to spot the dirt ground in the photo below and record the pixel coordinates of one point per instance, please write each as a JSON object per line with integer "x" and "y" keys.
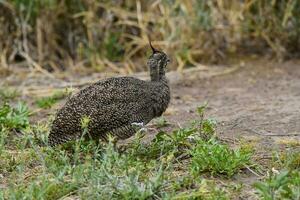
{"x": 257, "y": 102}
{"x": 253, "y": 101}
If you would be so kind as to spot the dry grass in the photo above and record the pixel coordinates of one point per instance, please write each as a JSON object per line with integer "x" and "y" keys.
{"x": 113, "y": 35}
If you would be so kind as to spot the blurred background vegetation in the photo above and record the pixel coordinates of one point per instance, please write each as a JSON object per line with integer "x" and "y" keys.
{"x": 101, "y": 35}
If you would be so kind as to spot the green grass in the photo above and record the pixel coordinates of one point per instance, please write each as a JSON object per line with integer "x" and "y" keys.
{"x": 283, "y": 180}
{"x": 13, "y": 117}
{"x": 282, "y": 185}
{"x": 90, "y": 171}
{"x": 186, "y": 163}
{"x": 98, "y": 174}
{"x": 216, "y": 158}
{"x": 48, "y": 102}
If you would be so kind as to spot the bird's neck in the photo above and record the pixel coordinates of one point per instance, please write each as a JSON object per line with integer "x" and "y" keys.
{"x": 157, "y": 74}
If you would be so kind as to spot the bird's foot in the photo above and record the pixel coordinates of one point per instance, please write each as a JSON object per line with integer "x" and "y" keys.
{"x": 139, "y": 126}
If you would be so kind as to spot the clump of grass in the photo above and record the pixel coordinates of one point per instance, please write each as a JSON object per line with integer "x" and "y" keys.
{"x": 163, "y": 145}
{"x": 216, "y": 158}
{"x": 282, "y": 185}
{"x": 209, "y": 155}
{"x": 13, "y": 117}
{"x": 48, "y": 102}
{"x": 178, "y": 142}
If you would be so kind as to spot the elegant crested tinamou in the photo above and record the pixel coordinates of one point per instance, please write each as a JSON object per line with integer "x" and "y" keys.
{"x": 115, "y": 105}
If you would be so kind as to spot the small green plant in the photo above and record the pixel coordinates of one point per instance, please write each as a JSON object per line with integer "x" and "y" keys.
{"x": 179, "y": 142}
{"x": 14, "y": 117}
{"x": 163, "y": 145}
{"x": 205, "y": 126}
{"x": 48, "y": 102}
{"x": 284, "y": 185}
{"x": 208, "y": 127}
{"x": 215, "y": 158}
{"x": 85, "y": 120}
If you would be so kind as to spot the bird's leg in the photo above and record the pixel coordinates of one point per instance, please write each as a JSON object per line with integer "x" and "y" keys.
{"x": 139, "y": 126}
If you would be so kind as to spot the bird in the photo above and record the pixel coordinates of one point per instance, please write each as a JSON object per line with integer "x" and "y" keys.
{"x": 114, "y": 106}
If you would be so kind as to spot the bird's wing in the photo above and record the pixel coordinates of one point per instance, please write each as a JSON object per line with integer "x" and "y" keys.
{"x": 114, "y": 102}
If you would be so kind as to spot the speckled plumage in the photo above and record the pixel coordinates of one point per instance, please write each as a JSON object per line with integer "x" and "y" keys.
{"x": 114, "y": 105}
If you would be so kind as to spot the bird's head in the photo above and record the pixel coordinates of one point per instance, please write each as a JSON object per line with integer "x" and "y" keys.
{"x": 158, "y": 60}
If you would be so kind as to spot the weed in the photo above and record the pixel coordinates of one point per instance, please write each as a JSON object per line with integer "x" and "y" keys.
{"x": 85, "y": 120}
{"x": 208, "y": 127}
{"x": 284, "y": 185}
{"x": 216, "y": 158}
{"x": 205, "y": 126}
{"x": 179, "y": 142}
{"x": 13, "y": 118}
{"x": 163, "y": 145}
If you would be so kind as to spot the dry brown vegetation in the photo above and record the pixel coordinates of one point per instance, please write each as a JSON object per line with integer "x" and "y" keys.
{"x": 113, "y": 35}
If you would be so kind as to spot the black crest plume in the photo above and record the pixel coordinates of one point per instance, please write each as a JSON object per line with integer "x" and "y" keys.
{"x": 153, "y": 49}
